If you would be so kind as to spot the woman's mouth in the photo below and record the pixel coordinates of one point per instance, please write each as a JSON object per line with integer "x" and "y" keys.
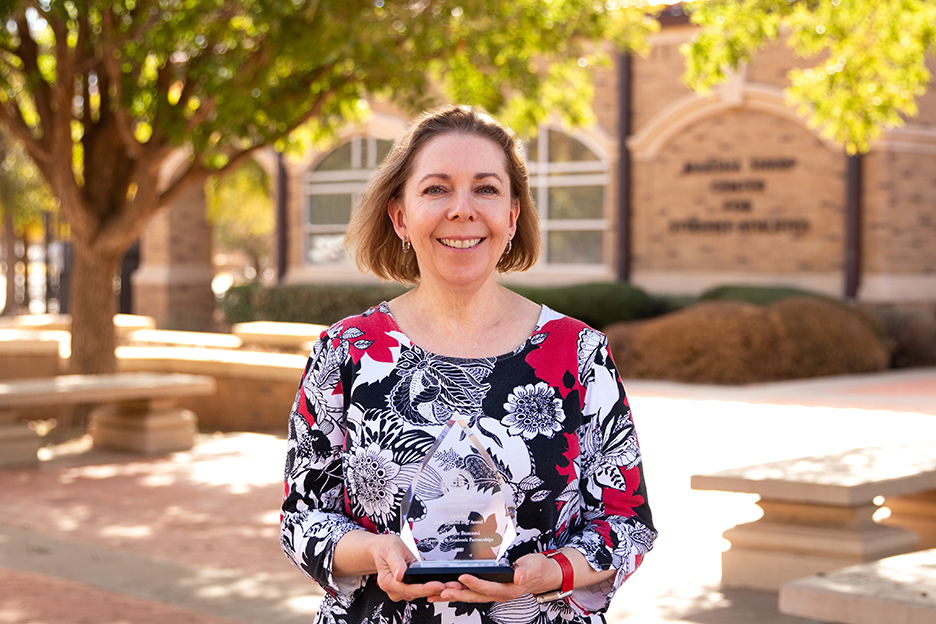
{"x": 460, "y": 244}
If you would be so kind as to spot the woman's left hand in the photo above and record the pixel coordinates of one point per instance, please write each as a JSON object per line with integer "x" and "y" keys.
{"x": 533, "y": 574}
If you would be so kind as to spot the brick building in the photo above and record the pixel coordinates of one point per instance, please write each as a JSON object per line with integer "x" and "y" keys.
{"x": 732, "y": 187}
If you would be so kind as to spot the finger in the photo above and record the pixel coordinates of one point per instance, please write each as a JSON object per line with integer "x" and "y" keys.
{"x": 451, "y": 595}
{"x": 479, "y": 586}
{"x": 398, "y": 571}
{"x": 466, "y": 594}
{"x": 423, "y": 590}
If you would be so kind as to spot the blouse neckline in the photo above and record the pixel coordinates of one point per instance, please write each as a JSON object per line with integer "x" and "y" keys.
{"x": 540, "y": 321}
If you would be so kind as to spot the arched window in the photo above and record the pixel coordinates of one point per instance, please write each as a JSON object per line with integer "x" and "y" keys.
{"x": 332, "y": 189}
{"x": 569, "y": 182}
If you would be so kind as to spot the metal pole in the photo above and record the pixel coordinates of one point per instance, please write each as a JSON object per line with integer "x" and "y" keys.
{"x": 853, "y": 227}
{"x": 624, "y": 169}
{"x": 282, "y": 240}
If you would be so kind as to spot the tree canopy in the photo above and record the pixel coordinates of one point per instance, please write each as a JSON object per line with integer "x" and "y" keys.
{"x": 123, "y": 104}
{"x": 869, "y": 57}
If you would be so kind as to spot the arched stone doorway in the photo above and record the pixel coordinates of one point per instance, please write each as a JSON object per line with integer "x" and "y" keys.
{"x": 736, "y": 189}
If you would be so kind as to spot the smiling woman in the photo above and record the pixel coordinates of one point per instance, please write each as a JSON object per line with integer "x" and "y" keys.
{"x": 535, "y": 394}
{"x": 372, "y": 239}
{"x": 457, "y": 211}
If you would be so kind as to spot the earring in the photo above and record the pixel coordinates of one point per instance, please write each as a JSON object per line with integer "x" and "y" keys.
{"x": 406, "y": 245}
{"x": 509, "y": 245}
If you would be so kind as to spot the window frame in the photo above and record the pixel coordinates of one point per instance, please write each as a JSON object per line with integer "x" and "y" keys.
{"x": 545, "y": 174}
{"x": 336, "y": 182}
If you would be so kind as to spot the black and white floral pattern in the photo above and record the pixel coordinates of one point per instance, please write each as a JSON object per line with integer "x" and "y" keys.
{"x": 552, "y": 415}
{"x": 533, "y": 410}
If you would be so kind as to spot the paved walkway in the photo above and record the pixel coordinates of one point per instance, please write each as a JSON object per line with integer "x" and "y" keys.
{"x": 107, "y": 538}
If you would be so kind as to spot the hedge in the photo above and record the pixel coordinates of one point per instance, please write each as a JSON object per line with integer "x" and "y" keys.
{"x": 757, "y": 295}
{"x": 303, "y": 303}
{"x": 598, "y": 304}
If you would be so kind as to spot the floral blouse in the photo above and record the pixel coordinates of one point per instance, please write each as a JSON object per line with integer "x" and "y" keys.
{"x": 555, "y": 421}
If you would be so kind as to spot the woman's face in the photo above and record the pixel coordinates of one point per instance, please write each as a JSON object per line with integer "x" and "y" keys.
{"x": 457, "y": 210}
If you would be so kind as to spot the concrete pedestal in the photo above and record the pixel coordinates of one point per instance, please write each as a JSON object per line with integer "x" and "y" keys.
{"x": 19, "y": 445}
{"x": 767, "y": 553}
{"x": 916, "y": 512}
{"x": 899, "y": 589}
{"x": 143, "y": 429}
{"x": 819, "y": 512}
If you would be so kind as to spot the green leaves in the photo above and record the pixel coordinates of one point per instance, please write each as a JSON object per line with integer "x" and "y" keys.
{"x": 222, "y": 76}
{"x": 869, "y": 57}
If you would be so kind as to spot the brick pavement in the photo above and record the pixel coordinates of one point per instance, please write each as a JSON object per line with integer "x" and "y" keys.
{"x": 192, "y": 537}
{"x": 29, "y": 598}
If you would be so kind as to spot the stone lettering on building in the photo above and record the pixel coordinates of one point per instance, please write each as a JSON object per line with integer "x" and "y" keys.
{"x": 738, "y": 196}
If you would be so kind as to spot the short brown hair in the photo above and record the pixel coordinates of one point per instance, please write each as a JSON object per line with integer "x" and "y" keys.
{"x": 371, "y": 239}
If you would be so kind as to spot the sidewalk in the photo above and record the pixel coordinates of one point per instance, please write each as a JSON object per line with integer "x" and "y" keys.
{"x": 107, "y": 538}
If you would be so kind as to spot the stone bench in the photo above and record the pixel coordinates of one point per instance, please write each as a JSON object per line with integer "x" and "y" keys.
{"x": 123, "y": 323}
{"x": 136, "y": 411}
{"x": 897, "y": 589}
{"x": 174, "y": 338}
{"x": 255, "y": 389}
{"x": 819, "y": 513}
{"x": 295, "y": 337}
{"x": 32, "y": 352}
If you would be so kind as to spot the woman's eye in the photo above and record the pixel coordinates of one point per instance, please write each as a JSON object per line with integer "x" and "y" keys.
{"x": 488, "y": 190}
{"x": 433, "y": 190}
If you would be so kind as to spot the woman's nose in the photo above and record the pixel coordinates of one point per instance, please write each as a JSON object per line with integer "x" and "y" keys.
{"x": 462, "y": 206}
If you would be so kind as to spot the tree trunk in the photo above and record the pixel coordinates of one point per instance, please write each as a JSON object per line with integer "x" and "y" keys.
{"x": 9, "y": 242}
{"x": 93, "y": 306}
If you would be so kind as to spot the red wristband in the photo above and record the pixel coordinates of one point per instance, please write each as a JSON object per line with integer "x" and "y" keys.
{"x": 568, "y": 577}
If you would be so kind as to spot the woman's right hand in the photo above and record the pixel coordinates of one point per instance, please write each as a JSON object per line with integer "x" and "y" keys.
{"x": 392, "y": 557}
{"x": 361, "y": 553}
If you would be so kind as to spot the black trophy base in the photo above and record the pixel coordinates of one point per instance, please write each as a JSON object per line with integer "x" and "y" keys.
{"x": 445, "y": 571}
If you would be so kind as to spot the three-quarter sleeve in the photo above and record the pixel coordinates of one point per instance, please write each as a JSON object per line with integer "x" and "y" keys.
{"x": 618, "y": 529}
{"x": 313, "y": 514}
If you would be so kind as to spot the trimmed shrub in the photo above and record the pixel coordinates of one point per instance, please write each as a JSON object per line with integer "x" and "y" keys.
{"x": 322, "y": 304}
{"x": 596, "y": 304}
{"x": 766, "y": 295}
{"x": 758, "y": 295}
{"x": 912, "y": 330}
{"x": 237, "y": 303}
{"x": 736, "y": 342}
{"x": 820, "y": 337}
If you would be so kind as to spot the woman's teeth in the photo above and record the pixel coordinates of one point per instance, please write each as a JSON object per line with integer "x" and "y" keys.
{"x": 460, "y": 244}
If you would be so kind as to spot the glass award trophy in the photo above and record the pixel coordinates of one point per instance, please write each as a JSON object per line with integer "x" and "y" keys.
{"x": 459, "y": 516}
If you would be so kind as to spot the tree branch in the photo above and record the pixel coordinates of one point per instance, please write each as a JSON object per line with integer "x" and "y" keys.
{"x": 28, "y": 53}
{"x": 107, "y": 50}
{"x": 63, "y": 91}
{"x": 194, "y": 174}
{"x": 114, "y": 76}
{"x": 200, "y": 115}
{"x": 82, "y": 56}
{"x": 314, "y": 110}
{"x": 237, "y": 157}
{"x": 13, "y": 120}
